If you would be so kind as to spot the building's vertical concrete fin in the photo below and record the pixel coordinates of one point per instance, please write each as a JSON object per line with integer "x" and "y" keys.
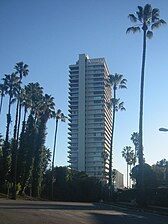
{"x": 81, "y": 113}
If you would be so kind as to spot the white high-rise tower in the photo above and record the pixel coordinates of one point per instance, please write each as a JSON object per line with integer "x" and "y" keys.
{"x": 90, "y": 118}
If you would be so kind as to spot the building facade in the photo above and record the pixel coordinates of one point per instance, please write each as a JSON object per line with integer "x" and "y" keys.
{"x": 118, "y": 180}
{"x": 90, "y": 117}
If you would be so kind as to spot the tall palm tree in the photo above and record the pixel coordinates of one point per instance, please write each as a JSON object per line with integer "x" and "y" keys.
{"x": 58, "y": 116}
{"x": 2, "y": 94}
{"x": 46, "y": 111}
{"x": 34, "y": 104}
{"x": 21, "y": 69}
{"x": 146, "y": 19}
{"x": 127, "y": 153}
{"x": 117, "y": 82}
{"x": 11, "y": 83}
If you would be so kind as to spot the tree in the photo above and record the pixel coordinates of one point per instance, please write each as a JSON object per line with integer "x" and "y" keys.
{"x": 135, "y": 140}
{"x": 58, "y": 116}
{"x": 22, "y": 70}
{"x": 117, "y": 82}
{"x": 25, "y": 160}
{"x": 46, "y": 111}
{"x": 149, "y": 177}
{"x": 147, "y": 19}
{"x": 11, "y": 83}
{"x": 161, "y": 171}
{"x": 126, "y": 153}
{"x": 72, "y": 185}
{"x": 30, "y": 154}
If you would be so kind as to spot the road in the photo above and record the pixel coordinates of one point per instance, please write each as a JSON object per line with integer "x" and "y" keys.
{"x": 42, "y": 212}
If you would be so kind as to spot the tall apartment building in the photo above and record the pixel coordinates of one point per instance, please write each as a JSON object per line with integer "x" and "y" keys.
{"x": 90, "y": 117}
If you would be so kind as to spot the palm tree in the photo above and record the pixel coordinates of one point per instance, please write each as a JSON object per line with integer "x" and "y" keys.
{"x": 132, "y": 161}
{"x": 117, "y": 82}
{"x": 46, "y": 111}
{"x": 22, "y": 70}
{"x": 135, "y": 140}
{"x": 58, "y": 116}
{"x": 146, "y": 19}
{"x": 2, "y": 94}
{"x": 34, "y": 102}
{"x": 11, "y": 83}
{"x": 127, "y": 154}
{"x": 34, "y": 94}
{"x": 31, "y": 99}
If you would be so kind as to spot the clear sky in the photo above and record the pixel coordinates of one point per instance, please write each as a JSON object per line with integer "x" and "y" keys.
{"x": 48, "y": 35}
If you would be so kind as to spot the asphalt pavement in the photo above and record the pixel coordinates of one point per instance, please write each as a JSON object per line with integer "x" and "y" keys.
{"x": 44, "y": 212}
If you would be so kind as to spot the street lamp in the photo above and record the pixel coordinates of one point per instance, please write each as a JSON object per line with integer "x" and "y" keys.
{"x": 163, "y": 129}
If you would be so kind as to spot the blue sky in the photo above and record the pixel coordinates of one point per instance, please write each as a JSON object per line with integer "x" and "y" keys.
{"x": 48, "y": 35}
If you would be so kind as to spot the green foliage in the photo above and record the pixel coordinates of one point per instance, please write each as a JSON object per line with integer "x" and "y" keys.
{"x": 26, "y": 154}
{"x": 37, "y": 173}
{"x": 71, "y": 185}
{"x": 161, "y": 171}
{"x": 24, "y": 159}
{"x": 149, "y": 176}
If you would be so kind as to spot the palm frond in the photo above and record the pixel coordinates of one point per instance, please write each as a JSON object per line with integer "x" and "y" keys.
{"x": 123, "y": 83}
{"x": 155, "y": 15}
{"x": 133, "y": 29}
{"x": 140, "y": 13}
{"x": 147, "y": 12}
{"x": 133, "y": 18}
{"x": 121, "y": 106}
{"x": 122, "y": 86}
{"x": 123, "y": 109}
{"x": 149, "y": 34}
{"x": 158, "y": 24}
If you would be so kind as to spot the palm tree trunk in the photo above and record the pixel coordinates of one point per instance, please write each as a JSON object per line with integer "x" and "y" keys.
{"x": 53, "y": 159}
{"x": 1, "y": 103}
{"x": 127, "y": 175}
{"x": 16, "y": 138}
{"x": 111, "y": 143}
{"x": 24, "y": 120}
{"x": 14, "y": 153}
{"x": 8, "y": 120}
{"x": 141, "y": 110}
{"x": 130, "y": 177}
{"x": 19, "y": 119}
{"x": 16, "y": 120}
